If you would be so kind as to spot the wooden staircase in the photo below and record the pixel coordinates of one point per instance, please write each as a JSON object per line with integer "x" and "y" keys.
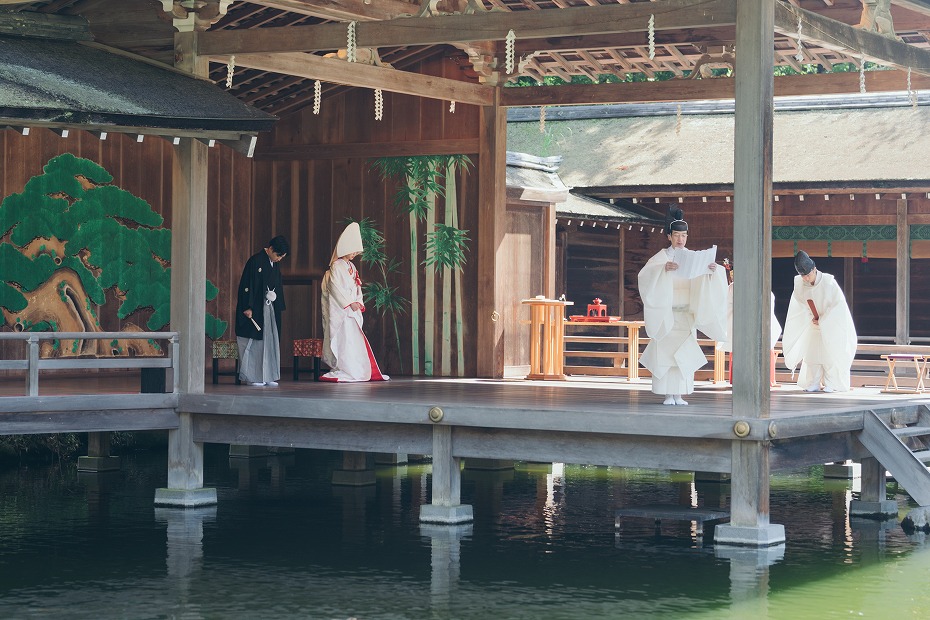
{"x": 907, "y": 465}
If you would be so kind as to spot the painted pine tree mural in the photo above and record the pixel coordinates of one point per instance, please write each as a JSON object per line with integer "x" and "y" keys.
{"x": 70, "y": 238}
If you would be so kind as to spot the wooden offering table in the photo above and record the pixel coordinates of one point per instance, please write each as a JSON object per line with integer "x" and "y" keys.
{"x": 546, "y": 338}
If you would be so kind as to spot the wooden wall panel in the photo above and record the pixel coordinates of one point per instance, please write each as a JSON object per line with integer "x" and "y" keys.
{"x": 338, "y": 187}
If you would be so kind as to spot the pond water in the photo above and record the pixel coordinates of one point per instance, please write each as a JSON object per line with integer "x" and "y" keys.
{"x": 284, "y": 543}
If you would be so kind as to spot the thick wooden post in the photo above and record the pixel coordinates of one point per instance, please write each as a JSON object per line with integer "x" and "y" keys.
{"x": 185, "y": 469}
{"x": 873, "y": 502}
{"x": 189, "y": 238}
{"x": 447, "y": 483}
{"x": 188, "y": 298}
{"x": 492, "y": 200}
{"x": 752, "y": 249}
{"x": 903, "y": 273}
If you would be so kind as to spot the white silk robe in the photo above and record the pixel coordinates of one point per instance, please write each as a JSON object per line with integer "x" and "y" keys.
{"x": 825, "y": 351}
{"x": 345, "y": 348}
{"x": 673, "y": 308}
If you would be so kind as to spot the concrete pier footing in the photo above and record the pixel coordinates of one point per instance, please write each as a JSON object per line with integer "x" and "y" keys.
{"x": 433, "y": 513}
{"x": 883, "y": 509}
{"x": 760, "y": 536}
{"x": 185, "y": 498}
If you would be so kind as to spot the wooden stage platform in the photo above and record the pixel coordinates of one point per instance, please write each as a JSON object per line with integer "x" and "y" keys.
{"x": 594, "y": 421}
{"x": 588, "y": 420}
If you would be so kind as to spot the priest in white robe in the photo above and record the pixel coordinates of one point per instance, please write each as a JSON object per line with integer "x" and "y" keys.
{"x": 345, "y": 348}
{"x": 819, "y": 330}
{"x": 673, "y": 308}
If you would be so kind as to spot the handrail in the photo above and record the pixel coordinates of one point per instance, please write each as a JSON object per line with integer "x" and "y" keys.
{"x": 33, "y": 363}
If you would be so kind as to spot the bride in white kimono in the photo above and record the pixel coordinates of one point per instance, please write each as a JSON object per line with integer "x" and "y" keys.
{"x": 673, "y": 308}
{"x": 345, "y": 348}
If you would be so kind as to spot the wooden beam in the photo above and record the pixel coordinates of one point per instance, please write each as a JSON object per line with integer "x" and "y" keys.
{"x": 344, "y": 10}
{"x": 356, "y": 74}
{"x": 918, "y": 6}
{"x": 834, "y": 35}
{"x": 490, "y": 26}
{"x": 464, "y": 146}
{"x": 716, "y": 88}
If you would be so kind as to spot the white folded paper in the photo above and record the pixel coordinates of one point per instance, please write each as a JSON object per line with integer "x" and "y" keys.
{"x": 692, "y": 263}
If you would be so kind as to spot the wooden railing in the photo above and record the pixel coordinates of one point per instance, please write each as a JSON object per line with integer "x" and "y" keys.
{"x": 33, "y": 363}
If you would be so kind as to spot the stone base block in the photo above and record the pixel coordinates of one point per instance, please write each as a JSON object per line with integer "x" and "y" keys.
{"x": 185, "y": 498}
{"x": 98, "y": 463}
{"x": 885, "y": 509}
{"x": 353, "y": 477}
{"x": 248, "y": 452}
{"x": 488, "y": 464}
{"x": 843, "y": 471}
{"x": 741, "y": 536}
{"x": 431, "y": 513}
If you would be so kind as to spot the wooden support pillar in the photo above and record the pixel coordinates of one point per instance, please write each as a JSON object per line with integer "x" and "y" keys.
{"x": 185, "y": 469}
{"x": 98, "y": 454}
{"x": 903, "y": 277}
{"x": 188, "y": 297}
{"x": 357, "y": 470}
{"x": 752, "y": 248}
{"x": 189, "y": 238}
{"x": 446, "y": 506}
{"x": 492, "y": 200}
{"x": 873, "y": 502}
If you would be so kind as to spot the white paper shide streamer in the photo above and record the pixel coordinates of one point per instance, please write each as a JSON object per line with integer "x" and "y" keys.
{"x": 452, "y": 106}
{"x": 652, "y": 37}
{"x": 231, "y": 68}
{"x": 350, "y": 42}
{"x": 317, "y": 96}
{"x": 861, "y": 73}
{"x": 509, "y": 51}
{"x": 379, "y": 104}
{"x": 800, "y": 55}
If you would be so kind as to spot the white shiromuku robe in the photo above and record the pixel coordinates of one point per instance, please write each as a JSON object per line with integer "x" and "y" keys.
{"x": 673, "y": 308}
{"x": 345, "y": 348}
{"x": 774, "y": 330}
{"x": 825, "y": 351}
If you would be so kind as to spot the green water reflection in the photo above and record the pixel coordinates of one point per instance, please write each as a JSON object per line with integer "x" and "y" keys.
{"x": 284, "y": 543}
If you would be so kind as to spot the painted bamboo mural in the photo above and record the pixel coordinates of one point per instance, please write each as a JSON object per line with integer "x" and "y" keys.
{"x": 445, "y": 246}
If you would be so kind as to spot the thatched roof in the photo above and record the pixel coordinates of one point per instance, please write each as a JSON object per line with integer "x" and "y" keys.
{"x": 631, "y": 148}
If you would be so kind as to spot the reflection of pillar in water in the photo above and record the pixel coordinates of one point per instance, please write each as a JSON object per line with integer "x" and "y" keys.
{"x": 354, "y": 501}
{"x": 489, "y": 490}
{"x": 445, "y": 565}
{"x": 749, "y": 578}
{"x": 184, "y": 555}
{"x": 97, "y": 488}
{"x": 390, "y": 481}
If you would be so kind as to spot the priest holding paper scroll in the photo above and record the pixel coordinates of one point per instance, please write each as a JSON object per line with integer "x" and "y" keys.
{"x": 819, "y": 331}
{"x": 674, "y": 306}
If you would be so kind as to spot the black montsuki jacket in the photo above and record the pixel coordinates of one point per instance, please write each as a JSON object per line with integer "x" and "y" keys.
{"x": 258, "y": 276}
